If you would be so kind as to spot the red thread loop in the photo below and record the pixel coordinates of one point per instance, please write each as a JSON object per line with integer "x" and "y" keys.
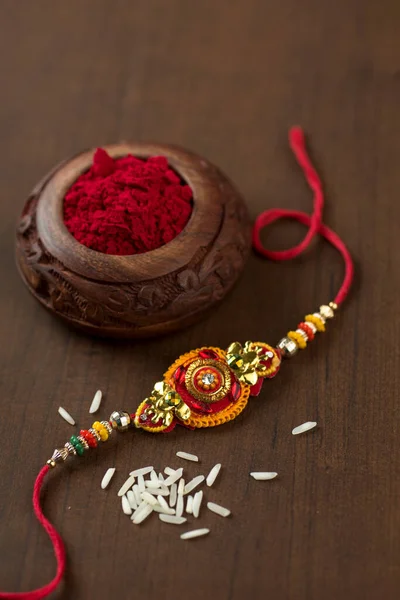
{"x": 58, "y": 546}
{"x": 313, "y": 222}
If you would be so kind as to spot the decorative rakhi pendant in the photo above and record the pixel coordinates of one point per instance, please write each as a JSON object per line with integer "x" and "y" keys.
{"x": 208, "y": 387}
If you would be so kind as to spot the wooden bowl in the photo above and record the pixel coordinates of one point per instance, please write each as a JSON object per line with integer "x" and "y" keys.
{"x": 143, "y": 294}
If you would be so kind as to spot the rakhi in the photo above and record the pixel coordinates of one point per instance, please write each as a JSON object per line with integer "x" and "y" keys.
{"x": 209, "y": 386}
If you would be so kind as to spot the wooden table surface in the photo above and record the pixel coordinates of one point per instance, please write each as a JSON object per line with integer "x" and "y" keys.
{"x": 226, "y": 79}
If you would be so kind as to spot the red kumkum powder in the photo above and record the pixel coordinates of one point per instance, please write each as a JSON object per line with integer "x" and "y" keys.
{"x": 127, "y": 205}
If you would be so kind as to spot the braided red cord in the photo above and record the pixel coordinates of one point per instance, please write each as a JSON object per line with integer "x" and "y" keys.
{"x": 313, "y": 223}
{"x": 58, "y": 546}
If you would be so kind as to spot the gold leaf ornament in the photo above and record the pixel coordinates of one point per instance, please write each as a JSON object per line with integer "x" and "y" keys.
{"x": 246, "y": 361}
{"x": 165, "y": 403}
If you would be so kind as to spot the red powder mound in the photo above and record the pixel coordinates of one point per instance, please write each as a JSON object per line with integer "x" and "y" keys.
{"x": 127, "y": 205}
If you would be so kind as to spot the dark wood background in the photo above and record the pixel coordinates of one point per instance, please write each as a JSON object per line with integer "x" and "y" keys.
{"x": 226, "y": 79}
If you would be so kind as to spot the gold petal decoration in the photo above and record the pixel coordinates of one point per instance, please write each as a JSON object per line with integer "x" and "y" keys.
{"x": 165, "y": 403}
{"x": 246, "y": 361}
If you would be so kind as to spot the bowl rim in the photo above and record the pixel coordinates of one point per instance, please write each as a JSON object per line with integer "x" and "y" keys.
{"x": 61, "y": 244}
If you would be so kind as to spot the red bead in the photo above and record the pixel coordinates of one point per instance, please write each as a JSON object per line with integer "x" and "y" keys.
{"x": 307, "y": 330}
{"x": 91, "y": 440}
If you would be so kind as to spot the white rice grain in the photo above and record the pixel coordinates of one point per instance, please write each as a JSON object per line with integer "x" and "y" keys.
{"x": 189, "y": 505}
{"x": 127, "y": 485}
{"x": 197, "y": 500}
{"x": 107, "y": 478}
{"x": 141, "y": 484}
{"x": 159, "y": 509}
{"x": 143, "y": 514}
{"x": 154, "y": 479}
{"x": 187, "y": 456}
{"x": 181, "y": 486}
{"x": 263, "y": 475}
{"x": 169, "y": 471}
{"x": 148, "y": 498}
{"x": 193, "y": 484}
{"x": 126, "y": 507}
{"x": 173, "y": 477}
{"x": 157, "y": 491}
{"x": 65, "y": 415}
{"x": 172, "y": 519}
{"x": 194, "y": 533}
{"x": 136, "y": 491}
{"x": 94, "y": 407}
{"x": 142, "y": 471}
{"x": 161, "y": 477}
{"x": 163, "y": 503}
{"x": 304, "y": 427}
{"x": 173, "y": 494}
{"x": 213, "y": 474}
{"x": 218, "y": 510}
{"x": 179, "y": 505}
{"x": 131, "y": 499}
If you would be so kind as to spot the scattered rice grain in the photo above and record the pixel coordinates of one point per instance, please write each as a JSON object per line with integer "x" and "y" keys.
{"x": 94, "y": 407}
{"x": 140, "y": 481}
{"x": 143, "y": 514}
{"x": 126, "y": 507}
{"x": 263, "y": 475}
{"x": 189, "y": 505}
{"x": 136, "y": 491}
{"x": 148, "y": 498}
{"x": 173, "y": 477}
{"x": 65, "y": 415}
{"x": 142, "y": 471}
{"x": 187, "y": 456}
{"x": 132, "y": 499}
{"x": 218, "y": 510}
{"x": 181, "y": 486}
{"x": 304, "y": 427}
{"x": 194, "y": 533}
{"x": 179, "y": 506}
{"x": 107, "y": 478}
{"x": 127, "y": 485}
{"x": 173, "y": 494}
{"x": 213, "y": 474}
{"x": 197, "y": 500}
{"x": 172, "y": 519}
{"x": 162, "y": 502}
{"x": 193, "y": 484}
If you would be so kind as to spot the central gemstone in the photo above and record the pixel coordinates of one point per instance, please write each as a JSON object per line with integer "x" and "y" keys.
{"x": 208, "y": 378}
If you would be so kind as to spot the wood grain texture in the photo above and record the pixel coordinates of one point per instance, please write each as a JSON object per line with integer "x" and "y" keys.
{"x": 146, "y": 294}
{"x": 225, "y": 79}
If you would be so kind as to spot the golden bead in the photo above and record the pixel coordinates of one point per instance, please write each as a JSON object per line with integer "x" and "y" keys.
{"x": 326, "y": 311}
{"x": 51, "y": 463}
{"x": 333, "y": 305}
{"x": 287, "y": 347}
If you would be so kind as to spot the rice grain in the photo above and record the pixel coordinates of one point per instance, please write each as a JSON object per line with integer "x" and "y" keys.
{"x": 65, "y": 415}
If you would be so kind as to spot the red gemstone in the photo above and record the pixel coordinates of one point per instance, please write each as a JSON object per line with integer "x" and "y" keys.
{"x": 208, "y": 354}
{"x": 179, "y": 374}
{"x": 235, "y": 390}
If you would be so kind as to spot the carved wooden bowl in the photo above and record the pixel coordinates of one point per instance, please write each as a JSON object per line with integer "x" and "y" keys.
{"x": 143, "y": 294}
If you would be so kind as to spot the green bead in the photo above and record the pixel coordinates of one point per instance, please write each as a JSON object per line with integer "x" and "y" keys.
{"x": 77, "y": 445}
{"x": 80, "y": 450}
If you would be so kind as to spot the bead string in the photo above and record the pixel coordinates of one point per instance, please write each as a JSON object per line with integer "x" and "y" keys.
{"x": 288, "y": 346}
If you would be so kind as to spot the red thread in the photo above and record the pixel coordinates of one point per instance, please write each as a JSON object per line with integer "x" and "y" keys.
{"x": 58, "y": 546}
{"x": 313, "y": 223}
{"x": 127, "y": 206}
